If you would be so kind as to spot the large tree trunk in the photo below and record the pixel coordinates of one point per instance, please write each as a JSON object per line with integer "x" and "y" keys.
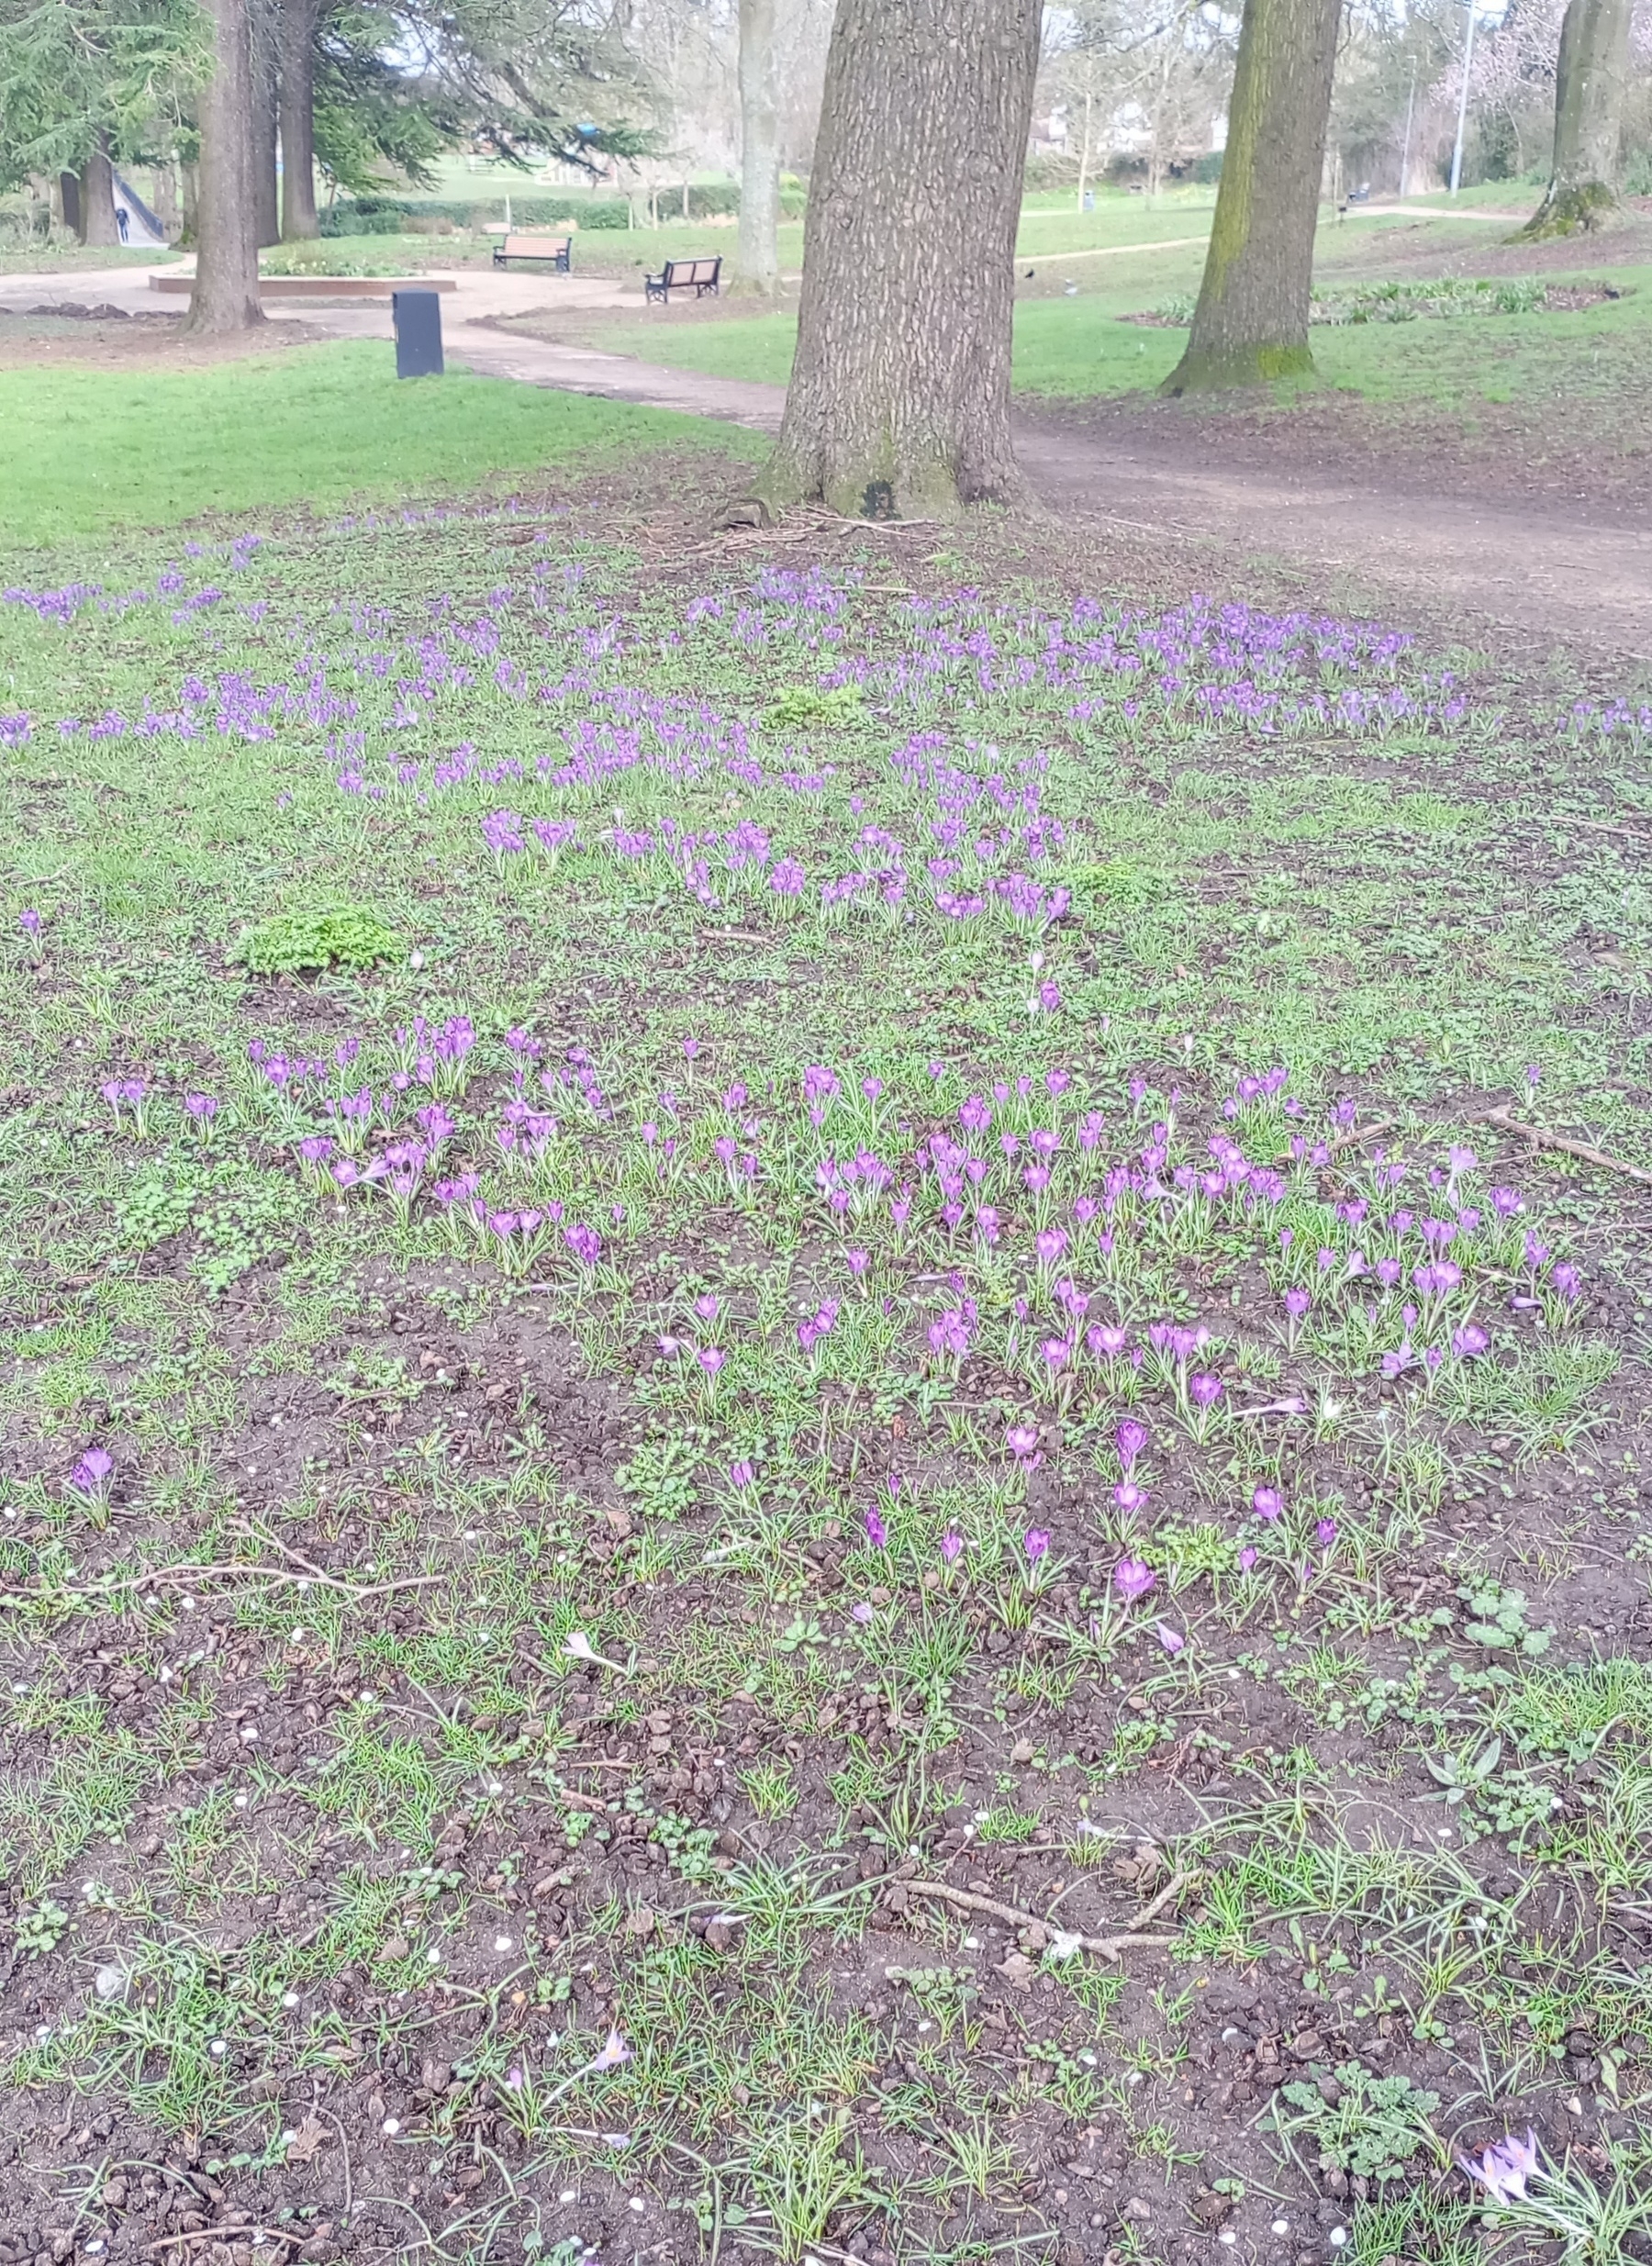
{"x": 757, "y": 256}
{"x": 225, "y": 283}
{"x": 264, "y": 25}
{"x": 1251, "y": 322}
{"x": 900, "y": 399}
{"x": 1590, "y": 80}
{"x": 97, "y": 224}
{"x": 298, "y": 118}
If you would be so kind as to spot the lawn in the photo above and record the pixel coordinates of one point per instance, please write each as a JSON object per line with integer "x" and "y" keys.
{"x": 810, "y": 1450}
{"x": 324, "y": 426}
{"x": 1077, "y": 347}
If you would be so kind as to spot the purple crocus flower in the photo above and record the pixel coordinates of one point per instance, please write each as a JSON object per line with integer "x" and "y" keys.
{"x": 711, "y": 1358}
{"x": 1268, "y": 1502}
{"x": 91, "y": 1474}
{"x": 741, "y": 1474}
{"x": 1130, "y": 1498}
{"x": 1248, "y": 1559}
{"x": 1297, "y": 1303}
{"x": 1504, "y": 2166}
{"x": 878, "y": 1534}
{"x": 1036, "y": 1541}
{"x": 1469, "y": 1341}
{"x": 1021, "y": 1440}
{"x": 1133, "y": 1580}
{"x": 1204, "y": 1391}
{"x": 1172, "y": 1639}
{"x": 1130, "y": 1439}
{"x": 28, "y": 921}
{"x": 951, "y": 1544}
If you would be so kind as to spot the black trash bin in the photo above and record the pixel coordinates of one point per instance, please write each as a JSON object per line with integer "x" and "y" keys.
{"x": 417, "y": 316}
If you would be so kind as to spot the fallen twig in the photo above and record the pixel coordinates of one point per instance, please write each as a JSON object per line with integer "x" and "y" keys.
{"x": 224, "y": 2234}
{"x": 1100, "y": 1947}
{"x": 1506, "y": 1119}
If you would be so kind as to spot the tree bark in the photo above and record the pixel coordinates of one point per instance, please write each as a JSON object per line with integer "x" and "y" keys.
{"x": 98, "y": 199}
{"x": 225, "y": 297}
{"x": 899, "y": 406}
{"x": 264, "y": 27}
{"x": 757, "y": 256}
{"x": 1591, "y": 79}
{"x": 1251, "y": 322}
{"x": 298, "y": 120}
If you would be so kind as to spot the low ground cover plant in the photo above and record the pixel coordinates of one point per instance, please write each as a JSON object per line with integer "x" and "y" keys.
{"x": 809, "y": 1448}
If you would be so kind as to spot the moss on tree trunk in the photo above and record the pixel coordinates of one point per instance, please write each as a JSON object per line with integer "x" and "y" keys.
{"x": 1591, "y": 78}
{"x": 899, "y": 406}
{"x": 1250, "y": 326}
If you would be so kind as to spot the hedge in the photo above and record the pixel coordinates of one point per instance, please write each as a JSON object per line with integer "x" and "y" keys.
{"x": 387, "y": 215}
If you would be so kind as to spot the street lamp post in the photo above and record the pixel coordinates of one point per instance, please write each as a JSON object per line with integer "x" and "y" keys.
{"x": 1456, "y": 152}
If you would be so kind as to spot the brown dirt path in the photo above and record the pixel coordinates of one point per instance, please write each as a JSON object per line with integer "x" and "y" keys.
{"x": 1561, "y": 577}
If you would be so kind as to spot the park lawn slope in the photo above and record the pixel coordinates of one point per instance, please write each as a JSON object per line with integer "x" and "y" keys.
{"x": 97, "y": 449}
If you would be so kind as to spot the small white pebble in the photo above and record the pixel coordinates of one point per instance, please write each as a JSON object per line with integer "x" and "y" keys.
{"x": 166, "y": 1676}
{"x": 393, "y": 2126}
{"x": 43, "y": 2033}
{"x": 1339, "y": 2235}
{"x": 1228, "y": 2236}
{"x": 501, "y": 1943}
{"x": 569, "y": 2194}
{"x": 188, "y": 1603}
{"x": 289, "y": 1999}
{"x": 296, "y": 1638}
{"x": 217, "y": 2048}
{"x": 470, "y": 1533}
{"x": 249, "y": 1734}
{"x": 241, "y": 1801}
{"x": 432, "y": 1959}
{"x": 1281, "y": 2227}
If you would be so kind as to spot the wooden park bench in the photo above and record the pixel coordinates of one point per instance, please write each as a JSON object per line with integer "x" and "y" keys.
{"x": 557, "y": 249}
{"x": 697, "y": 275}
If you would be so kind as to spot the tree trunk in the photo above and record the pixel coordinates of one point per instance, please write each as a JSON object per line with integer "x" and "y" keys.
{"x": 69, "y": 196}
{"x": 225, "y": 296}
{"x": 264, "y": 25}
{"x": 1590, "y": 80}
{"x": 298, "y": 120}
{"x": 899, "y": 399}
{"x": 757, "y": 256}
{"x": 1251, "y": 322}
{"x": 98, "y": 199}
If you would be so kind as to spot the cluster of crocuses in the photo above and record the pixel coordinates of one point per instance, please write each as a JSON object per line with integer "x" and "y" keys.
{"x": 1055, "y": 1219}
{"x": 548, "y": 677}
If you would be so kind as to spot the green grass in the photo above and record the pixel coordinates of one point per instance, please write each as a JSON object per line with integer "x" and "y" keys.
{"x": 451, "y": 1668}
{"x": 1076, "y": 347}
{"x": 99, "y": 450}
